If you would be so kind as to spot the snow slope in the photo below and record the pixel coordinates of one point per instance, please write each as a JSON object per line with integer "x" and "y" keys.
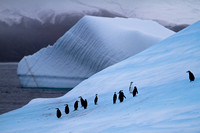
{"x": 93, "y": 44}
{"x": 167, "y": 102}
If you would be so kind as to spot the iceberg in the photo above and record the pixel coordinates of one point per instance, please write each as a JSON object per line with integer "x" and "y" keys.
{"x": 93, "y": 44}
{"x": 167, "y": 101}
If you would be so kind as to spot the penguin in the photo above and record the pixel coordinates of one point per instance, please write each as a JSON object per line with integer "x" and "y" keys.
{"x": 58, "y": 114}
{"x": 76, "y": 105}
{"x": 96, "y": 100}
{"x": 121, "y": 96}
{"x": 191, "y": 76}
{"x": 114, "y": 98}
{"x": 130, "y": 87}
{"x": 135, "y": 91}
{"x": 85, "y": 104}
{"x": 66, "y": 109}
{"x": 82, "y": 101}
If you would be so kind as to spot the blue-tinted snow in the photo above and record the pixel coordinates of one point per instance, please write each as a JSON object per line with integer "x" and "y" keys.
{"x": 167, "y": 101}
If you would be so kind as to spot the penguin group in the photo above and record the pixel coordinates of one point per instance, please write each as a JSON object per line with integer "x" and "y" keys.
{"x": 84, "y": 104}
{"x": 121, "y": 97}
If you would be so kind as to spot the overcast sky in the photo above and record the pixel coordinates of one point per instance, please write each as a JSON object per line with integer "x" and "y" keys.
{"x": 169, "y": 11}
{"x": 29, "y": 25}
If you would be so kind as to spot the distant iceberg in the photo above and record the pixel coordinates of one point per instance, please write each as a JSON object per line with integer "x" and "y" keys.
{"x": 93, "y": 44}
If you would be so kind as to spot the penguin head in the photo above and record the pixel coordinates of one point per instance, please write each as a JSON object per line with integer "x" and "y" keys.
{"x": 66, "y": 104}
{"x": 96, "y": 94}
{"x": 57, "y": 108}
{"x": 80, "y": 97}
{"x": 120, "y": 92}
{"x": 188, "y": 71}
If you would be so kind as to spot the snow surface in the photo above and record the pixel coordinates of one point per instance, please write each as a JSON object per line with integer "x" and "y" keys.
{"x": 93, "y": 44}
{"x": 167, "y": 101}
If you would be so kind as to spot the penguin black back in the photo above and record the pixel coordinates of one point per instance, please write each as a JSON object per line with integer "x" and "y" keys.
{"x": 85, "y": 104}
{"x": 191, "y": 76}
{"x": 135, "y": 91}
{"x": 76, "y": 105}
{"x": 82, "y": 101}
{"x": 66, "y": 109}
{"x": 96, "y": 100}
{"x": 58, "y": 113}
{"x": 114, "y": 98}
{"x": 121, "y": 96}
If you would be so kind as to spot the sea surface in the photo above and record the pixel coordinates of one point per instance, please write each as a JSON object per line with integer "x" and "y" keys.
{"x": 13, "y": 96}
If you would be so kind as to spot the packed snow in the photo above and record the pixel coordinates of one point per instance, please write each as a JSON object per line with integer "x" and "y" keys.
{"x": 93, "y": 44}
{"x": 167, "y": 101}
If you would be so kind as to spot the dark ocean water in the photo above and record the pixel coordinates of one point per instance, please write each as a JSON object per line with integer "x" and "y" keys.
{"x": 12, "y": 96}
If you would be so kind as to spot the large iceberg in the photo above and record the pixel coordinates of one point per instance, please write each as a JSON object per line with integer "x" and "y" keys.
{"x": 167, "y": 101}
{"x": 93, "y": 44}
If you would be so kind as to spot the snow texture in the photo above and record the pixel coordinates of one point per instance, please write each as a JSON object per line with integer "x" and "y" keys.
{"x": 93, "y": 44}
{"x": 167, "y": 101}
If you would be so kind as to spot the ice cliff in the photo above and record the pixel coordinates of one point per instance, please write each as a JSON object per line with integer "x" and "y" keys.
{"x": 93, "y": 44}
{"x": 167, "y": 101}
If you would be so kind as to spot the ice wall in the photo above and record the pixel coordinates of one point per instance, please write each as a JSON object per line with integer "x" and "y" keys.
{"x": 93, "y": 44}
{"x": 167, "y": 101}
